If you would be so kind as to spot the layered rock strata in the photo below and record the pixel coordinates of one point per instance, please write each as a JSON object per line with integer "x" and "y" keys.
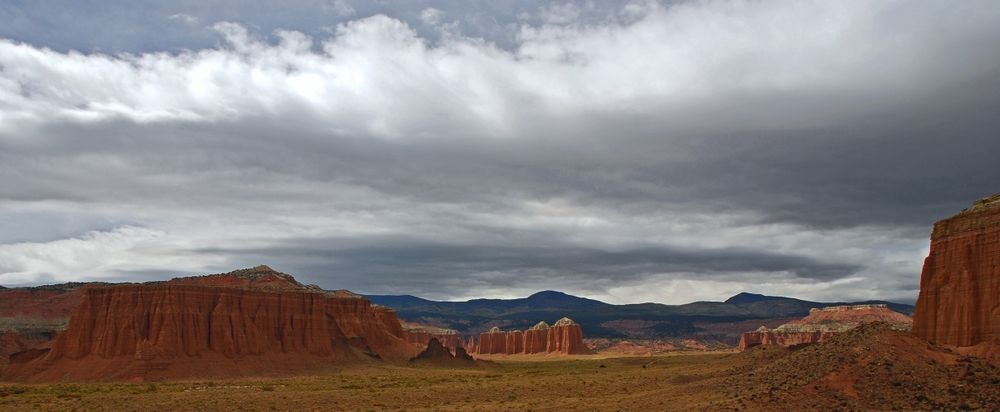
{"x": 176, "y": 329}
{"x": 563, "y": 337}
{"x": 822, "y": 324}
{"x": 959, "y": 300}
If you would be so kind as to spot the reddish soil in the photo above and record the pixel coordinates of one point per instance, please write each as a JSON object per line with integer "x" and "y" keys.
{"x": 871, "y": 367}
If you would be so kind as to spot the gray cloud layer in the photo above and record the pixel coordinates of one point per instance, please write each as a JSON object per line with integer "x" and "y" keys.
{"x": 645, "y": 152}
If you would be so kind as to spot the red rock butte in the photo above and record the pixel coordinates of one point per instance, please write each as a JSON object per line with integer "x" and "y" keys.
{"x": 959, "y": 301}
{"x": 564, "y": 337}
{"x": 254, "y": 321}
{"x": 823, "y": 323}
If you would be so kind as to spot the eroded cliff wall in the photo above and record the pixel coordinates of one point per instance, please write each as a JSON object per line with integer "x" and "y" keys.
{"x": 564, "y": 337}
{"x": 164, "y": 330}
{"x": 959, "y": 301}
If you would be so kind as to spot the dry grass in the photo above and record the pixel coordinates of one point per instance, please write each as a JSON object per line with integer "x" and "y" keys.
{"x": 660, "y": 383}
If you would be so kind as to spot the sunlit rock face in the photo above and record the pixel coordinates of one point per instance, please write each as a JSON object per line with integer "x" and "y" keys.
{"x": 231, "y": 325}
{"x": 959, "y": 301}
{"x": 564, "y": 337}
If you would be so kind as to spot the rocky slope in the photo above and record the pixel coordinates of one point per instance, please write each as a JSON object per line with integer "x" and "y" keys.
{"x": 564, "y": 337}
{"x": 959, "y": 301}
{"x": 872, "y": 367}
{"x": 822, "y": 323}
{"x": 177, "y": 329}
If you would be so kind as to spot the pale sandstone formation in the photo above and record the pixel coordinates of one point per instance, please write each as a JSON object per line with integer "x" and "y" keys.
{"x": 823, "y": 323}
{"x": 959, "y": 301}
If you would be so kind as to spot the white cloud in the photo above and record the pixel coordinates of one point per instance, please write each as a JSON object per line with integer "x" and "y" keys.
{"x": 376, "y": 76}
{"x": 91, "y": 256}
{"x": 582, "y": 135}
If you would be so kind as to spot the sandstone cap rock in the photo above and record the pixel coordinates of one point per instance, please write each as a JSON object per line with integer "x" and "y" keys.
{"x": 540, "y": 325}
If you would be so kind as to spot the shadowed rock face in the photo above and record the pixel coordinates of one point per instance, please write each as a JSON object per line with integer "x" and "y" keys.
{"x": 959, "y": 301}
{"x": 438, "y": 354}
{"x": 435, "y": 350}
{"x": 166, "y": 329}
{"x": 564, "y": 337}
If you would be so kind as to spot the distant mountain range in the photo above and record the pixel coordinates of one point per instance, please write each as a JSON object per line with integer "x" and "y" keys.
{"x": 718, "y": 321}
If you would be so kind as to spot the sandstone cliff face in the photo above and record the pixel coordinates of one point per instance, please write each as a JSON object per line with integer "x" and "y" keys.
{"x": 564, "y": 337}
{"x": 959, "y": 301}
{"x": 167, "y": 330}
{"x": 30, "y": 317}
{"x": 492, "y": 341}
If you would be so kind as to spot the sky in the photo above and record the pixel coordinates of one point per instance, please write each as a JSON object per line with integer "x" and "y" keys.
{"x": 624, "y": 151}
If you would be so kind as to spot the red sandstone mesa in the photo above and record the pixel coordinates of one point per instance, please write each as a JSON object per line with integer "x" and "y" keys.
{"x": 822, "y": 324}
{"x": 177, "y": 329}
{"x": 959, "y": 301}
{"x": 564, "y": 337}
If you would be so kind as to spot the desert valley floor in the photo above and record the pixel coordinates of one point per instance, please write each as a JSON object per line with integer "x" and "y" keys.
{"x": 870, "y": 368}
{"x": 584, "y": 382}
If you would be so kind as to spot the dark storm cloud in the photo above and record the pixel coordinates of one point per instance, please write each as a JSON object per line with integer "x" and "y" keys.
{"x": 422, "y": 267}
{"x": 628, "y": 153}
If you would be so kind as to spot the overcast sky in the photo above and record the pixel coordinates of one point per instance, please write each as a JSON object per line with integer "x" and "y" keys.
{"x": 628, "y": 152}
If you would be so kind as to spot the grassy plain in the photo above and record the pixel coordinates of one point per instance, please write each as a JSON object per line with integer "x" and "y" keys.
{"x": 675, "y": 382}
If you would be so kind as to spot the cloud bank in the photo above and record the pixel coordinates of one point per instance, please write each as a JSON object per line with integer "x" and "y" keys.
{"x": 644, "y": 152}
